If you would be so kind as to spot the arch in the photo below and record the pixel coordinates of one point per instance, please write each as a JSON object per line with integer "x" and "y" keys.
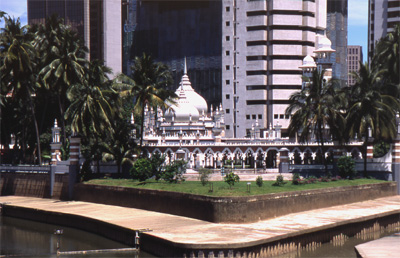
{"x": 271, "y": 158}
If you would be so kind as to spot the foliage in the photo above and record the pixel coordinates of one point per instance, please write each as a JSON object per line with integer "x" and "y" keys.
{"x": 381, "y": 149}
{"x": 279, "y": 181}
{"x": 173, "y": 173}
{"x": 141, "y": 169}
{"x": 204, "y": 175}
{"x": 317, "y": 109}
{"x": 157, "y": 162}
{"x": 231, "y": 178}
{"x": 347, "y": 167}
{"x": 296, "y": 179}
{"x": 259, "y": 181}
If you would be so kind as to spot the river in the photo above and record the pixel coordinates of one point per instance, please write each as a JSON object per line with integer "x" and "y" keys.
{"x": 24, "y": 238}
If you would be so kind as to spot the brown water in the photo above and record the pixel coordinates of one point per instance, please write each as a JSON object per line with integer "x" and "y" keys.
{"x": 23, "y": 238}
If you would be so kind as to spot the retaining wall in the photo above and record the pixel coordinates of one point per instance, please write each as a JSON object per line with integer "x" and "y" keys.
{"x": 231, "y": 209}
{"x": 33, "y": 184}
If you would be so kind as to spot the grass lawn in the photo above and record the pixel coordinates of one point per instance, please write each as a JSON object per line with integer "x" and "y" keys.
{"x": 222, "y": 189}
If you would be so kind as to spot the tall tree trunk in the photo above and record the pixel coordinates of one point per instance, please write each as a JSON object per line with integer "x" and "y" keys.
{"x": 365, "y": 155}
{"x": 39, "y": 153}
{"x": 60, "y": 106}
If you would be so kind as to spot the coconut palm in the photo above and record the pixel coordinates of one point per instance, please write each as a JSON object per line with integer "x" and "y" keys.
{"x": 64, "y": 63}
{"x": 18, "y": 68}
{"x": 316, "y": 110}
{"x": 371, "y": 112}
{"x": 147, "y": 86}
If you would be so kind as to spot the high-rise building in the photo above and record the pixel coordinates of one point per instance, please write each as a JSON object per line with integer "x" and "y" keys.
{"x": 336, "y": 31}
{"x": 264, "y": 43}
{"x": 98, "y": 22}
{"x": 245, "y": 54}
{"x": 169, "y": 31}
{"x": 354, "y": 57}
{"x": 383, "y": 16}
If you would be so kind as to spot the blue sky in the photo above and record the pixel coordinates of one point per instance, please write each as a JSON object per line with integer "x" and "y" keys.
{"x": 357, "y": 22}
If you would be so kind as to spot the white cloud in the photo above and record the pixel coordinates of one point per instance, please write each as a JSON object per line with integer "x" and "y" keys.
{"x": 14, "y": 8}
{"x": 358, "y": 12}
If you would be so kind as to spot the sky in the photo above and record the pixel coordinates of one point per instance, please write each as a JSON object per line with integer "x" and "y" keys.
{"x": 357, "y": 19}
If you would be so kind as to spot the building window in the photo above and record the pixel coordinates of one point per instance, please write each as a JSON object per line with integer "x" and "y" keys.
{"x": 227, "y": 111}
{"x": 227, "y": 38}
{"x": 227, "y": 8}
{"x": 228, "y": 23}
{"x": 259, "y": 116}
{"x": 227, "y": 67}
{"x": 281, "y": 116}
{"x": 276, "y": 116}
{"x": 227, "y": 96}
{"x": 227, "y": 53}
{"x": 253, "y": 116}
{"x": 227, "y": 82}
{"x": 287, "y": 116}
{"x": 248, "y": 117}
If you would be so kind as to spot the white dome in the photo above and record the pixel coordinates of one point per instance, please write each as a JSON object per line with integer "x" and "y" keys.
{"x": 193, "y": 97}
{"x": 183, "y": 111}
{"x": 308, "y": 61}
{"x": 324, "y": 44}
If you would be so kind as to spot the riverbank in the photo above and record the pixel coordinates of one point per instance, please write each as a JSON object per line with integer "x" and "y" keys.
{"x": 178, "y": 236}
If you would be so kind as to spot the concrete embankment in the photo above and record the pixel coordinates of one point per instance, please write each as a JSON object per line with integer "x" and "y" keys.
{"x": 231, "y": 209}
{"x": 177, "y": 236}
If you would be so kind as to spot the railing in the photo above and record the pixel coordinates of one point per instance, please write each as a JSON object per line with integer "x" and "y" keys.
{"x": 25, "y": 168}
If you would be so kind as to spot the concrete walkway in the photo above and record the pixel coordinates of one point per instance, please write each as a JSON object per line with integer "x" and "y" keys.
{"x": 196, "y": 234}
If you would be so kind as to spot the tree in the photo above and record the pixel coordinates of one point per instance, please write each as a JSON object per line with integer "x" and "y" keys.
{"x": 231, "y": 178}
{"x": 147, "y": 86}
{"x": 316, "y": 109}
{"x": 371, "y": 113}
{"x": 64, "y": 61}
{"x": 18, "y": 69}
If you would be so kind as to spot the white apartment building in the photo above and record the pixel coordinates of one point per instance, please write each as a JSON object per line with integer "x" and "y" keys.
{"x": 263, "y": 45}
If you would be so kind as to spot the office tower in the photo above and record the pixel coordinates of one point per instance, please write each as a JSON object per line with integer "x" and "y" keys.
{"x": 336, "y": 31}
{"x": 169, "y": 31}
{"x": 383, "y": 16}
{"x": 264, "y": 43}
{"x": 354, "y": 57}
{"x": 98, "y": 22}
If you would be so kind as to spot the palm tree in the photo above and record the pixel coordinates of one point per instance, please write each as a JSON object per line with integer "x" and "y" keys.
{"x": 147, "y": 86}
{"x": 371, "y": 112}
{"x": 315, "y": 110}
{"x": 64, "y": 61}
{"x": 387, "y": 55}
{"x": 17, "y": 70}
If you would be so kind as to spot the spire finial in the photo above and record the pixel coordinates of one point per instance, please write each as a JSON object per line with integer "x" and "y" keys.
{"x": 185, "y": 68}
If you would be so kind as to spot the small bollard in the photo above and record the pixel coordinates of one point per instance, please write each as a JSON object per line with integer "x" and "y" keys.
{"x": 211, "y": 188}
{"x": 58, "y": 232}
{"x": 248, "y": 187}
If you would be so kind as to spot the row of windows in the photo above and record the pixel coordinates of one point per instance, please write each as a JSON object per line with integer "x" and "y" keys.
{"x": 280, "y": 42}
{"x": 280, "y": 12}
{"x": 352, "y": 51}
{"x": 394, "y": 4}
{"x": 281, "y": 116}
{"x": 253, "y": 116}
{"x": 264, "y": 72}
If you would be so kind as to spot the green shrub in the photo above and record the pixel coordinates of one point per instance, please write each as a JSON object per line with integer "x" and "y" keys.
{"x": 231, "y": 178}
{"x": 259, "y": 181}
{"x": 296, "y": 179}
{"x": 141, "y": 169}
{"x": 347, "y": 167}
{"x": 157, "y": 162}
{"x": 173, "y": 173}
{"x": 204, "y": 175}
{"x": 279, "y": 181}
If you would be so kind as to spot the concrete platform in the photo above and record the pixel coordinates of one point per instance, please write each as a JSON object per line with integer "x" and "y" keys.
{"x": 386, "y": 247}
{"x": 187, "y": 233}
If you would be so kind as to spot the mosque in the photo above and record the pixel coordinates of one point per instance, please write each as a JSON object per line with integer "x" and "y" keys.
{"x": 189, "y": 130}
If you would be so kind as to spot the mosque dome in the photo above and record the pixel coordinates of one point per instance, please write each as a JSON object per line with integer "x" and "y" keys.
{"x": 183, "y": 111}
{"x": 308, "y": 62}
{"x": 193, "y": 97}
{"x": 324, "y": 44}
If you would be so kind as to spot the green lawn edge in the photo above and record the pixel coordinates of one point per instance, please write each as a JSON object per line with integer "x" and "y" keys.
{"x": 221, "y": 189}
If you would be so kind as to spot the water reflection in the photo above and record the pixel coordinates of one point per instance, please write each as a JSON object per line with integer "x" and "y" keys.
{"x": 25, "y": 238}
